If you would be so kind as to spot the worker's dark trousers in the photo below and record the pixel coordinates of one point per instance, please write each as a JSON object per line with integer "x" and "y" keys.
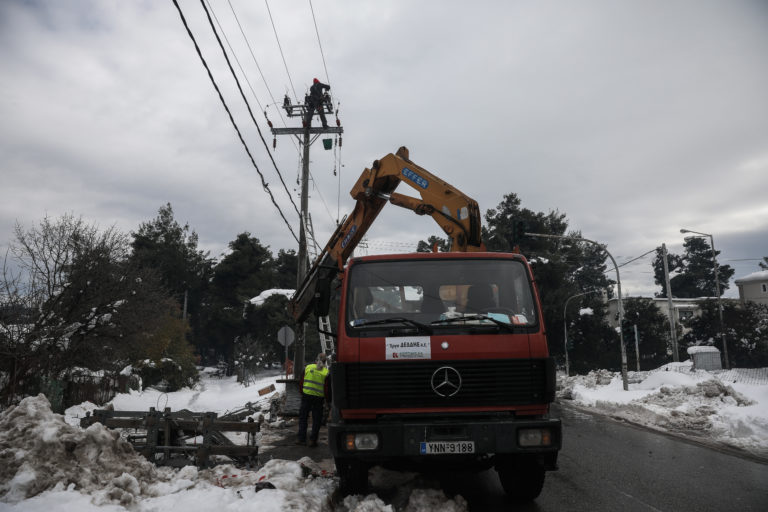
{"x": 320, "y": 111}
{"x": 309, "y": 404}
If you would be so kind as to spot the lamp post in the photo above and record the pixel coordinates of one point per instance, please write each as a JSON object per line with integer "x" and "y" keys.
{"x": 565, "y": 327}
{"x": 717, "y": 290}
{"x": 618, "y": 287}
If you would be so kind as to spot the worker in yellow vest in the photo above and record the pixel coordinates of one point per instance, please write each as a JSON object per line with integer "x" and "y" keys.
{"x": 313, "y": 386}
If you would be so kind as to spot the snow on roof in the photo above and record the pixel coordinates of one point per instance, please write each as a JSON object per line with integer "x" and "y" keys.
{"x": 702, "y": 349}
{"x": 754, "y": 276}
{"x": 263, "y": 296}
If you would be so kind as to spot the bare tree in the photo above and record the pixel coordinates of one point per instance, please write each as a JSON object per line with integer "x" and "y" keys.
{"x": 71, "y": 299}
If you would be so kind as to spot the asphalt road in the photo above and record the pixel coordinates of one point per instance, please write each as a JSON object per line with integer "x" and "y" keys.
{"x": 606, "y": 465}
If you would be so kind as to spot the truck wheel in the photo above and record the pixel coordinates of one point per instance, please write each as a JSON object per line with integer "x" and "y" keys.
{"x": 353, "y": 476}
{"x": 522, "y": 482}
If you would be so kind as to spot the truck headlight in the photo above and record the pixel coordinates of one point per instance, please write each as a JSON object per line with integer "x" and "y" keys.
{"x": 534, "y": 437}
{"x": 362, "y": 441}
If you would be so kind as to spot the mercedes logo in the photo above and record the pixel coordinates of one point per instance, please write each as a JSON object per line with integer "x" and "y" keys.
{"x": 446, "y": 381}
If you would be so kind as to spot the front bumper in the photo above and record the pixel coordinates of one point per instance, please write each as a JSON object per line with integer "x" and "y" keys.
{"x": 401, "y": 439}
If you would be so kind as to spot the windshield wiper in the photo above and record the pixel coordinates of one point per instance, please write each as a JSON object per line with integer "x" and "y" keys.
{"x": 364, "y": 322}
{"x": 507, "y": 326}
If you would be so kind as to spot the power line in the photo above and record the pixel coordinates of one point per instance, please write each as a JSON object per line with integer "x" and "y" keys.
{"x": 327, "y": 78}
{"x": 281, "y": 52}
{"x": 232, "y": 51}
{"x": 232, "y": 119}
{"x": 237, "y": 81}
{"x": 256, "y": 62}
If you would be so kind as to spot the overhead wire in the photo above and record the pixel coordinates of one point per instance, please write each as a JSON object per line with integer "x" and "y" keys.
{"x": 256, "y": 62}
{"x": 314, "y": 20}
{"x": 281, "y": 52}
{"x": 248, "y": 105}
{"x": 232, "y": 51}
{"x": 231, "y": 118}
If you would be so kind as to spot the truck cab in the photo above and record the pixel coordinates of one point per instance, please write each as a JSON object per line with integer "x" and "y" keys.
{"x": 442, "y": 361}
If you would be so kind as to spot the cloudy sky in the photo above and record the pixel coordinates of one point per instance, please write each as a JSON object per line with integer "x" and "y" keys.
{"x": 635, "y": 119}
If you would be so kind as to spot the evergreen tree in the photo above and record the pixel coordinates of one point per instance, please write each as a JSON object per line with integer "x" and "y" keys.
{"x": 171, "y": 250}
{"x": 246, "y": 271}
{"x": 695, "y": 271}
{"x": 562, "y": 268}
{"x": 746, "y": 331}
{"x": 442, "y": 244}
{"x": 652, "y": 330}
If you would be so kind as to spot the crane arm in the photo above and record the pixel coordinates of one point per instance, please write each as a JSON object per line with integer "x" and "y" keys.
{"x": 457, "y": 214}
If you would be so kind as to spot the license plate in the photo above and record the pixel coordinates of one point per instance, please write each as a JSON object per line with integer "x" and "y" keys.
{"x": 447, "y": 447}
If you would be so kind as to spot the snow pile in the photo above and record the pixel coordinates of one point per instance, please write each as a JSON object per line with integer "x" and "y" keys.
{"x": 675, "y": 398}
{"x": 39, "y": 451}
{"x": 261, "y": 298}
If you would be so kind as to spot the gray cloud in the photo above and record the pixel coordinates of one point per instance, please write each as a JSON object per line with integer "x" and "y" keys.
{"x": 633, "y": 119}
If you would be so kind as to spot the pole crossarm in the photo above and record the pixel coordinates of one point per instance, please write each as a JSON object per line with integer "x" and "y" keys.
{"x": 618, "y": 288}
{"x": 300, "y": 131}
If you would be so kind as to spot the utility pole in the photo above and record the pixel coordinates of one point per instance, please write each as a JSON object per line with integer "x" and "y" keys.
{"x": 672, "y": 326}
{"x": 305, "y": 135}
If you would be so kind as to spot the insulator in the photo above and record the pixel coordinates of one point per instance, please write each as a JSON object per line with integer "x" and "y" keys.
{"x": 274, "y": 143}
{"x": 338, "y": 123}
{"x": 339, "y": 141}
{"x": 269, "y": 123}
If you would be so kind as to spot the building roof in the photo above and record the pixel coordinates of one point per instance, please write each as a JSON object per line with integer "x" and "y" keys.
{"x": 753, "y": 277}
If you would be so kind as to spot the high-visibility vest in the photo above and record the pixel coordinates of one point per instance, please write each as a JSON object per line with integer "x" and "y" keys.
{"x": 314, "y": 380}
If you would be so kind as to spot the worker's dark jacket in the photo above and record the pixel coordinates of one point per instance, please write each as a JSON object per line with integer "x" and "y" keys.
{"x": 316, "y": 93}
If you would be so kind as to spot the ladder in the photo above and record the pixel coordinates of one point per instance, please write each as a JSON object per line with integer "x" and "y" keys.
{"x": 326, "y": 340}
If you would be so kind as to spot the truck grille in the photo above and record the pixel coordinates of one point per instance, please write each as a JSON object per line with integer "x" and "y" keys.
{"x": 409, "y": 384}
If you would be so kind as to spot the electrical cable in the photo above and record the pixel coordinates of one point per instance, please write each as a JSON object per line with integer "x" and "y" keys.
{"x": 281, "y": 52}
{"x": 327, "y": 78}
{"x": 248, "y": 105}
{"x": 317, "y": 188}
{"x": 256, "y": 62}
{"x": 232, "y": 51}
{"x": 231, "y": 119}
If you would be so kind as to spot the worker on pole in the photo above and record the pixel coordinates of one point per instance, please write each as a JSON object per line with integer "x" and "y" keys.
{"x": 316, "y": 101}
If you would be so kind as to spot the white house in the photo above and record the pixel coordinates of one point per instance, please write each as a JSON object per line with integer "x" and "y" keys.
{"x": 684, "y": 309}
{"x": 754, "y": 287}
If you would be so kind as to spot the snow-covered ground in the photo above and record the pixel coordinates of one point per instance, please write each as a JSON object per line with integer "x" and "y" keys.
{"x": 48, "y": 463}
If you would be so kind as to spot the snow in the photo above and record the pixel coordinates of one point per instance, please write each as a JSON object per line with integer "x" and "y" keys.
{"x": 263, "y": 296}
{"x": 722, "y": 407}
{"x": 702, "y": 349}
{"x": 761, "y": 275}
{"x": 586, "y": 311}
{"x": 50, "y": 463}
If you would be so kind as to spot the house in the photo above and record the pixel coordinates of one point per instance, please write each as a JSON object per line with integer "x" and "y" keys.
{"x": 754, "y": 287}
{"x": 684, "y": 309}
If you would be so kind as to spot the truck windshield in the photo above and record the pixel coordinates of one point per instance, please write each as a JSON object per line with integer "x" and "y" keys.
{"x": 442, "y": 294}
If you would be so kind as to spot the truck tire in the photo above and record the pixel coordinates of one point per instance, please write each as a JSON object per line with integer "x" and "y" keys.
{"x": 522, "y": 481}
{"x": 353, "y": 476}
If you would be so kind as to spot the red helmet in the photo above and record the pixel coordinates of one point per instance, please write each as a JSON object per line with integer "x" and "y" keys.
{"x": 315, "y": 81}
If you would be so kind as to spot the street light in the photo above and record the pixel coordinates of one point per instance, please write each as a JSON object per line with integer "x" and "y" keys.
{"x": 565, "y": 327}
{"x": 624, "y": 380}
{"x": 717, "y": 289}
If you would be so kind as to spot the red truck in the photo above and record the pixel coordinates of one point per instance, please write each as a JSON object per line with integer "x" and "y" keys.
{"x": 441, "y": 357}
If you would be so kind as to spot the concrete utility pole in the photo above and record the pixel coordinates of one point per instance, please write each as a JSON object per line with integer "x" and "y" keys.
{"x": 306, "y": 136}
{"x": 672, "y": 326}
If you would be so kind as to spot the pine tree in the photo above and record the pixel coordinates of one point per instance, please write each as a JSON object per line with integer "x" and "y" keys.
{"x": 695, "y": 271}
